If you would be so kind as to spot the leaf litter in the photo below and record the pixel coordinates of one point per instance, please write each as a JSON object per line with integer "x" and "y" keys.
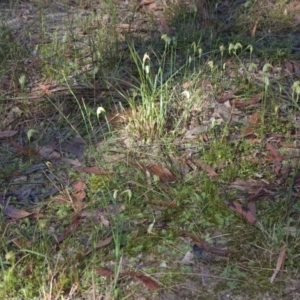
{"x": 54, "y": 179}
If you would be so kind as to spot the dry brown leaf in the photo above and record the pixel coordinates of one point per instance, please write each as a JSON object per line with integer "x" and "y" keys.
{"x": 253, "y": 31}
{"x": 254, "y": 118}
{"x": 163, "y": 173}
{"x": 79, "y": 186}
{"x": 280, "y": 263}
{"x": 45, "y": 89}
{"x": 147, "y": 281}
{"x": 146, "y": 2}
{"x": 11, "y": 211}
{"x": 243, "y": 210}
{"x": 276, "y": 157}
{"x": 226, "y": 96}
{"x": 253, "y": 100}
{"x": 100, "y": 244}
{"x": 80, "y": 196}
{"x": 103, "y": 243}
{"x": 248, "y": 132}
{"x": 105, "y": 272}
{"x": 205, "y": 167}
{"x": 7, "y": 133}
{"x": 16, "y": 213}
{"x": 25, "y": 150}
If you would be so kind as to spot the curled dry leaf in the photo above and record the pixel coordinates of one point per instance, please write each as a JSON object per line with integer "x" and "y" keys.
{"x": 25, "y": 150}
{"x": 280, "y": 263}
{"x": 146, "y": 2}
{"x": 104, "y": 242}
{"x": 253, "y": 31}
{"x": 205, "y": 167}
{"x": 246, "y": 213}
{"x": 162, "y": 173}
{"x": 100, "y": 244}
{"x": 248, "y": 133}
{"x": 275, "y": 153}
{"x": 147, "y": 281}
{"x": 15, "y": 213}
{"x": 253, "y": 100}
{"x": 226, "y": 96}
